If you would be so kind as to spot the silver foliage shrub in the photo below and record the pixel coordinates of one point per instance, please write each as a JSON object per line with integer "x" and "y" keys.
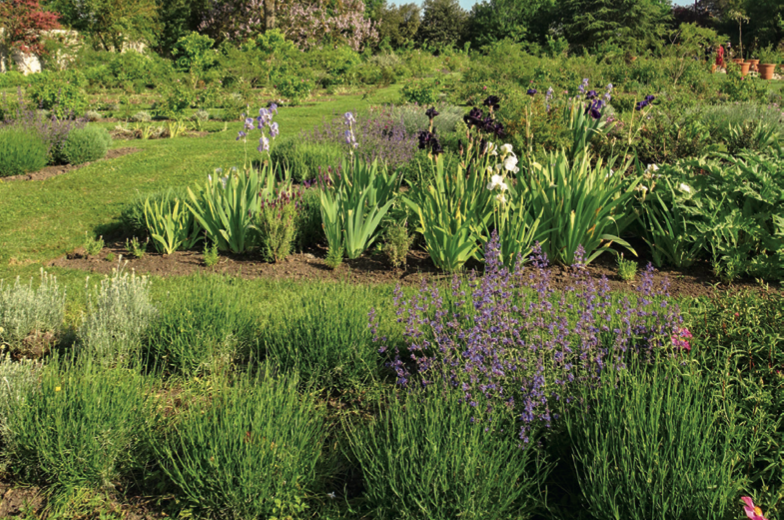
{"x": 27, "y": 311}
{"x": 119, "y": 314}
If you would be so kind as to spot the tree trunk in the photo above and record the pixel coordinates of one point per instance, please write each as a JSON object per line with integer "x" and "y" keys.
{"x": 269, "y": 14}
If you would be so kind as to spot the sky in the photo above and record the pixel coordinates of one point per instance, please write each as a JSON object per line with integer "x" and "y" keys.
{"x": 467, "y": 4}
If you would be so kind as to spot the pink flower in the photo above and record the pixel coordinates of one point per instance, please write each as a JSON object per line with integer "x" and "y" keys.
{"x": 680, "y": 339}
{"x": 752, "y": 511}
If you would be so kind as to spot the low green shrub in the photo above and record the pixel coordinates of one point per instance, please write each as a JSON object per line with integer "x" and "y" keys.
{"x": 294, "y": 89}
{"x": 86, "y": 144}
{"x": 310, "y": 232}
{"x": 322, "y": 332}
{"x": 249, "y": 451}
{"x": 426, "y": 456}
{"x": 81, "y": 430}
{"x": 21, "y": 152}
{"x": 20, "y": 380}
{"x": 655, "y": 444}
{"x": 203, "y": 324}
{"x": 31, "y": 318}
{"x": 305, "y": 160}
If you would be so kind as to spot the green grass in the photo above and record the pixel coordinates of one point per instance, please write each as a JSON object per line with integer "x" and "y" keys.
{"x": 41, "y": 220}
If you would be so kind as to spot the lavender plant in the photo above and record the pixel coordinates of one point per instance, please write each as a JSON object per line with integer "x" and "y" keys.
{"x": 376, "y": 136}
{"x": 53, "y": 131}
{"x": 276, "y": 224}
{"x": 511, "y": 339}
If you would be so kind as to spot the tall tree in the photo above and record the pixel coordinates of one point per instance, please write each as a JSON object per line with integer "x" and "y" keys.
{"x": 111, "y": 23}
{"x": 178, "y": 18}
{"x": 494, "y": 20}
{"x": 398, "y": 24}
{"x": 443, "y": 23}
{"x": 24, "y": 23}
{"x": 588, "y": 23}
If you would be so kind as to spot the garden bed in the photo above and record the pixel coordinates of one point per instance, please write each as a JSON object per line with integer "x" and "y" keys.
{"x": 54, "y": 171}
{"x": 696, "y": 281}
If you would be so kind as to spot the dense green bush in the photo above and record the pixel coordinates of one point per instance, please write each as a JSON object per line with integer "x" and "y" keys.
{"x": 249, "y": 451}
{"x": 21, "y": 151}
{"x": 28, "y": 313}
{"x": 86, "y": 144}
{"x": 203, "y": 325}
{"x": 60, "y": 94}
{"x": 657, "y": 445}
{"x": 82, "y": 429}
{"x": 425, "y": 456}
{"x": 12, "y": 78}
{"x": 323, "y": 334}
{"x": 305, "y": 160}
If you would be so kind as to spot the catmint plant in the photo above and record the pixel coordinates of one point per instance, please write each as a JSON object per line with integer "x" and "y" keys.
{"x": 513, "y": 341}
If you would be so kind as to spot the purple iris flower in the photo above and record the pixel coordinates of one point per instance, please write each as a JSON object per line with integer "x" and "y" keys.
{"x": 641, "y": 105}
{"x": 591, "y": 94}
{"x": 436, "y": 146}
{"x": 649, "y": 98}
{"x": 531, "y": 92}
{"x": 431, "y": 112}
{"x": 240, "y": 135}
{"x": 582, "y": 87}
{"x": 273, "y": 108}
{"x": 264, "y": 144}
{"x": 425, "y": 139}
{"x": 249, "y": 123}
{"x": 492, "y": 102}
{"x": 474, "y": 118}
{"x": 274, "y": 130}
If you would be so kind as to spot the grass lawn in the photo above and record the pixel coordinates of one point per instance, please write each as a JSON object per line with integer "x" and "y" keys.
{"x": 40, "y": 220}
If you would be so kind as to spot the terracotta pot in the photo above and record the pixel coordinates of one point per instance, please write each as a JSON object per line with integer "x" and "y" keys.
{"x": 737, "y": 60}
{"x": 754, "y": 64}
{"x": 744, "y": 68}
{"x": 766, "y": 70}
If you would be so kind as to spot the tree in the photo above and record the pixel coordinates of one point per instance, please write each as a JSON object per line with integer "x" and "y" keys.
{"x": 491, "y": 21}
{"x": 398, "y": 24}
{"x": 588, "y": 23}
{"x": 111, "y": 23}
{"x": 177, "y": 19}
{"x": 24, "y": 22}
{"x": 443, "y": 23}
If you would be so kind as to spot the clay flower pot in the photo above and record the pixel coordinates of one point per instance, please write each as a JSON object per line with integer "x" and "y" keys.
{"x": 744, "y": 68}
{"x": 737, "y": 60}
{"x": 754, "y": 64}
{"x": 766, "y": 70}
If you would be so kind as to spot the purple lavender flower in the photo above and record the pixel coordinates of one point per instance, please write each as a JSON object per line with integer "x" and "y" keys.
{"x": 510, "y": 338}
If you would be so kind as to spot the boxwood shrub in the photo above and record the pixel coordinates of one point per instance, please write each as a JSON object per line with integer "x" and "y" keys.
{"x": 86, "y": 144}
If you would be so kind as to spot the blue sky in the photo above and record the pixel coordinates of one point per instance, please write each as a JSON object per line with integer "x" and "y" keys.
{"x": 467, "y": 4}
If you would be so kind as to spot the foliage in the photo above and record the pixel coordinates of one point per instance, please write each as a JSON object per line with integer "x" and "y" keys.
{"x": 397, "y": 244}
{"x": 210, "y": 254}
{"x": 226, "y": 207}
{"x": 294, "y": 89}
{"x": 28, "y": 313}
{"x": 589, "y": 23}
{"x": 276, "y": 224}
{"x": 305, "y": 159}
{"x": 398, "y": 24}
{"x": 24, "y": 23}
{"x": 422, "y": 92}
{"x": 92, "y": 245}
{"x": 450, "y": 210}
{"x": 353, "y": 203}
{"x": 132, "y": 219}
{"x": 171, "y": 225}
{"x": 136, "y": 248}
{"x": 643, "y": 433}
{"x": 491, "y": 21}
{"x": 251, "y": 451}
{"x": 111, "y": 24}
{"x": 21, "y": 151}
{"x": 738, "y": 345}
{"x": 82, "y": 429}
{"x": 202, "y": 327}
{"x": 86, "y": 144}
{"x": 471, "y": 471}
{"x": 323, "y": 335}
{"x": 582, "y": 204}
{"x": 64, "y": 98}
{"x": 742, "y": 88}
{"x": 20, "y": 382}
{"x": 193, "y": 53}
{"x": 119, "y": 314}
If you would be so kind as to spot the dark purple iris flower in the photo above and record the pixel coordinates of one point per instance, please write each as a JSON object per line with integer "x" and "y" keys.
{"x": 492, "y": 102}
{"x": 641, "y": 105}
{"x": 591, "y": 94}
{"x": 425, "y": 138}
{"x": 594, "y": 109}
{"x": 431, "y": 112}
{"x": 474, "y": 118}
{"x": 531, "y": 92}
{"x": 436, "y": 146}
{"x": 498, "y": 130}
{"x": 649, "y": 98}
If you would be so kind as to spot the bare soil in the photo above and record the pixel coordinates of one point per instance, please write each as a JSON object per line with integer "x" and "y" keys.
{"x": 371, "y": 269}
{"x": 53, "y": 171}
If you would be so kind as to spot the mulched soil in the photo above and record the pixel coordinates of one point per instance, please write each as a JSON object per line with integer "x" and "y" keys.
{"x": 53, "y": 171}
{"x": 371, "y": 269}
